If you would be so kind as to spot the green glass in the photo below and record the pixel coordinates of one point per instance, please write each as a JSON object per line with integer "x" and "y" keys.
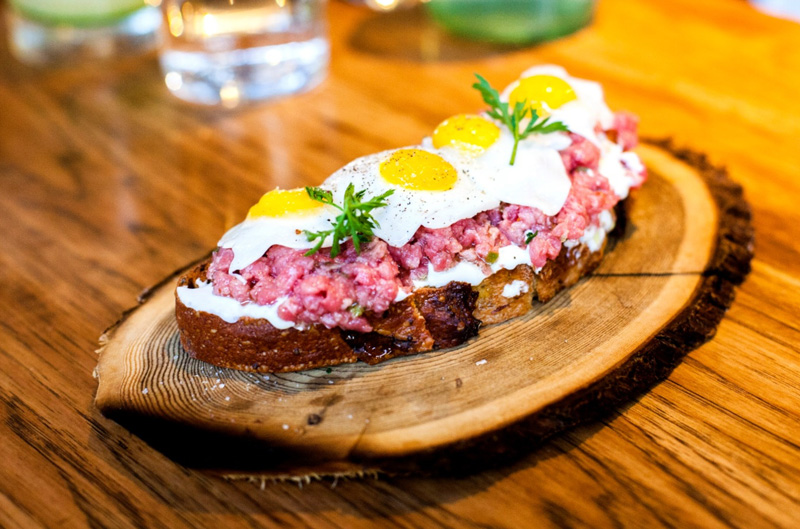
{"x": 77, "y": 13}
{"x": 511, "y": 21}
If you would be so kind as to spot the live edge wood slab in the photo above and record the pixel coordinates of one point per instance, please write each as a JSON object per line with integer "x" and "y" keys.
{"x": 660, "y": 292}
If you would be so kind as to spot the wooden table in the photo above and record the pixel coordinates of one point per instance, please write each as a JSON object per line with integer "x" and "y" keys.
{"x": 109, "y": 184}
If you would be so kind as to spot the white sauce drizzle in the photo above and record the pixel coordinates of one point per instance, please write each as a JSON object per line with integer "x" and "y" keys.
{"x": 594, "y": 236}
{"x": 228, "y": 309}
{"x": 515, "y": 288}
{"x": 612, "y": 167}
{"x": 508, "y": 257}
{"x": 463, "y": 271}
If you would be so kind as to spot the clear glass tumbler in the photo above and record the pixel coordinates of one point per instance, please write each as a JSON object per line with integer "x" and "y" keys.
{"x": 231, "y": 52}
{"x": 63, "y": 32}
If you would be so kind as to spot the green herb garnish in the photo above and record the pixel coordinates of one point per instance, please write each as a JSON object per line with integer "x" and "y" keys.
{"x": 355, "y": 221}
{"x": 529, "y": 236}
{"x": 499, "y": 110}
{"x": 491, "y": 257}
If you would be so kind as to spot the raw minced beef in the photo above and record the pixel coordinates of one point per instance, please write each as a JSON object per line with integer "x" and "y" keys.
{"x": 317, "y": 288}
{"x": 336, "y": 291}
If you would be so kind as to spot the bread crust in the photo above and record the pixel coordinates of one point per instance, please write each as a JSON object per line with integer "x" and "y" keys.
{"x": 428, "y": 319}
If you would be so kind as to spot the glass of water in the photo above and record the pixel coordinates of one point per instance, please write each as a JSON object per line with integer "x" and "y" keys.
{"x": 232, "y": 52}
{"x": 65, "y": 32}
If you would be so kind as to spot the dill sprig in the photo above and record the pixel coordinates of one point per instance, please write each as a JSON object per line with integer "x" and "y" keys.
{"x": 499, "y": 110}
{"x": 354, "y": 221}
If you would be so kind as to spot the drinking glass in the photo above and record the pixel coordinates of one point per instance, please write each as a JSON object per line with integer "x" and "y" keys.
{"x": 511, "y": 21}
{"x": 66, "y": 31}
{"x": 230, "y": 52}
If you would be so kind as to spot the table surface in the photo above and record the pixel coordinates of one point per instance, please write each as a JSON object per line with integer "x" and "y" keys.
{"x": 108, "y": 185}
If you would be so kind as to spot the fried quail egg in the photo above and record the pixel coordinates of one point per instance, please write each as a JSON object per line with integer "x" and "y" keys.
{"x": 537, "y": 178}
{"x": 431, "y": 188}
{"x": 553, "y": 93}
{"x": 279, "y": 217}
{"x": 468, "y": 133}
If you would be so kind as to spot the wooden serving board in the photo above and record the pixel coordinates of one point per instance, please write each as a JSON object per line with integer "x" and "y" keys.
{"x": 659, "y": 293}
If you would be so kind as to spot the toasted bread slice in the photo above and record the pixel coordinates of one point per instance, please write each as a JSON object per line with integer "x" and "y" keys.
{"x": 429, "y": 319}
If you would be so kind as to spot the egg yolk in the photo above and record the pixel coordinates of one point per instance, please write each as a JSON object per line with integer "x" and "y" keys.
{"x": 467, "y": 132}
{"x": 541, "y": 90}
{"x": 281, "y": 202}
{"x": 418, "y": 170}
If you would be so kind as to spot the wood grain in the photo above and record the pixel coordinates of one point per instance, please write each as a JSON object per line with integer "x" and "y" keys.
{"x": 108, "y": 185}
{"x": 618, "y": 330}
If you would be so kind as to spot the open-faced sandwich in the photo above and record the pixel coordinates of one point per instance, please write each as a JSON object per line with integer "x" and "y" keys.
{"x": 413, "y": 249}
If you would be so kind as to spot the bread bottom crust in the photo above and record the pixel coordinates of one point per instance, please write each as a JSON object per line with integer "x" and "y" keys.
{"x": 428, "y": 319}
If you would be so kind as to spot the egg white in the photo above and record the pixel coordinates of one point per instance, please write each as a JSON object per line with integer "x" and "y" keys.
{"x": 538, "y": 177}
{"x": 253, "y": 237}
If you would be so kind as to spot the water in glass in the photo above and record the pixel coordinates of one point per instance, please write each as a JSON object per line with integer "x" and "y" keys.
{"x": 229, "y": 52}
